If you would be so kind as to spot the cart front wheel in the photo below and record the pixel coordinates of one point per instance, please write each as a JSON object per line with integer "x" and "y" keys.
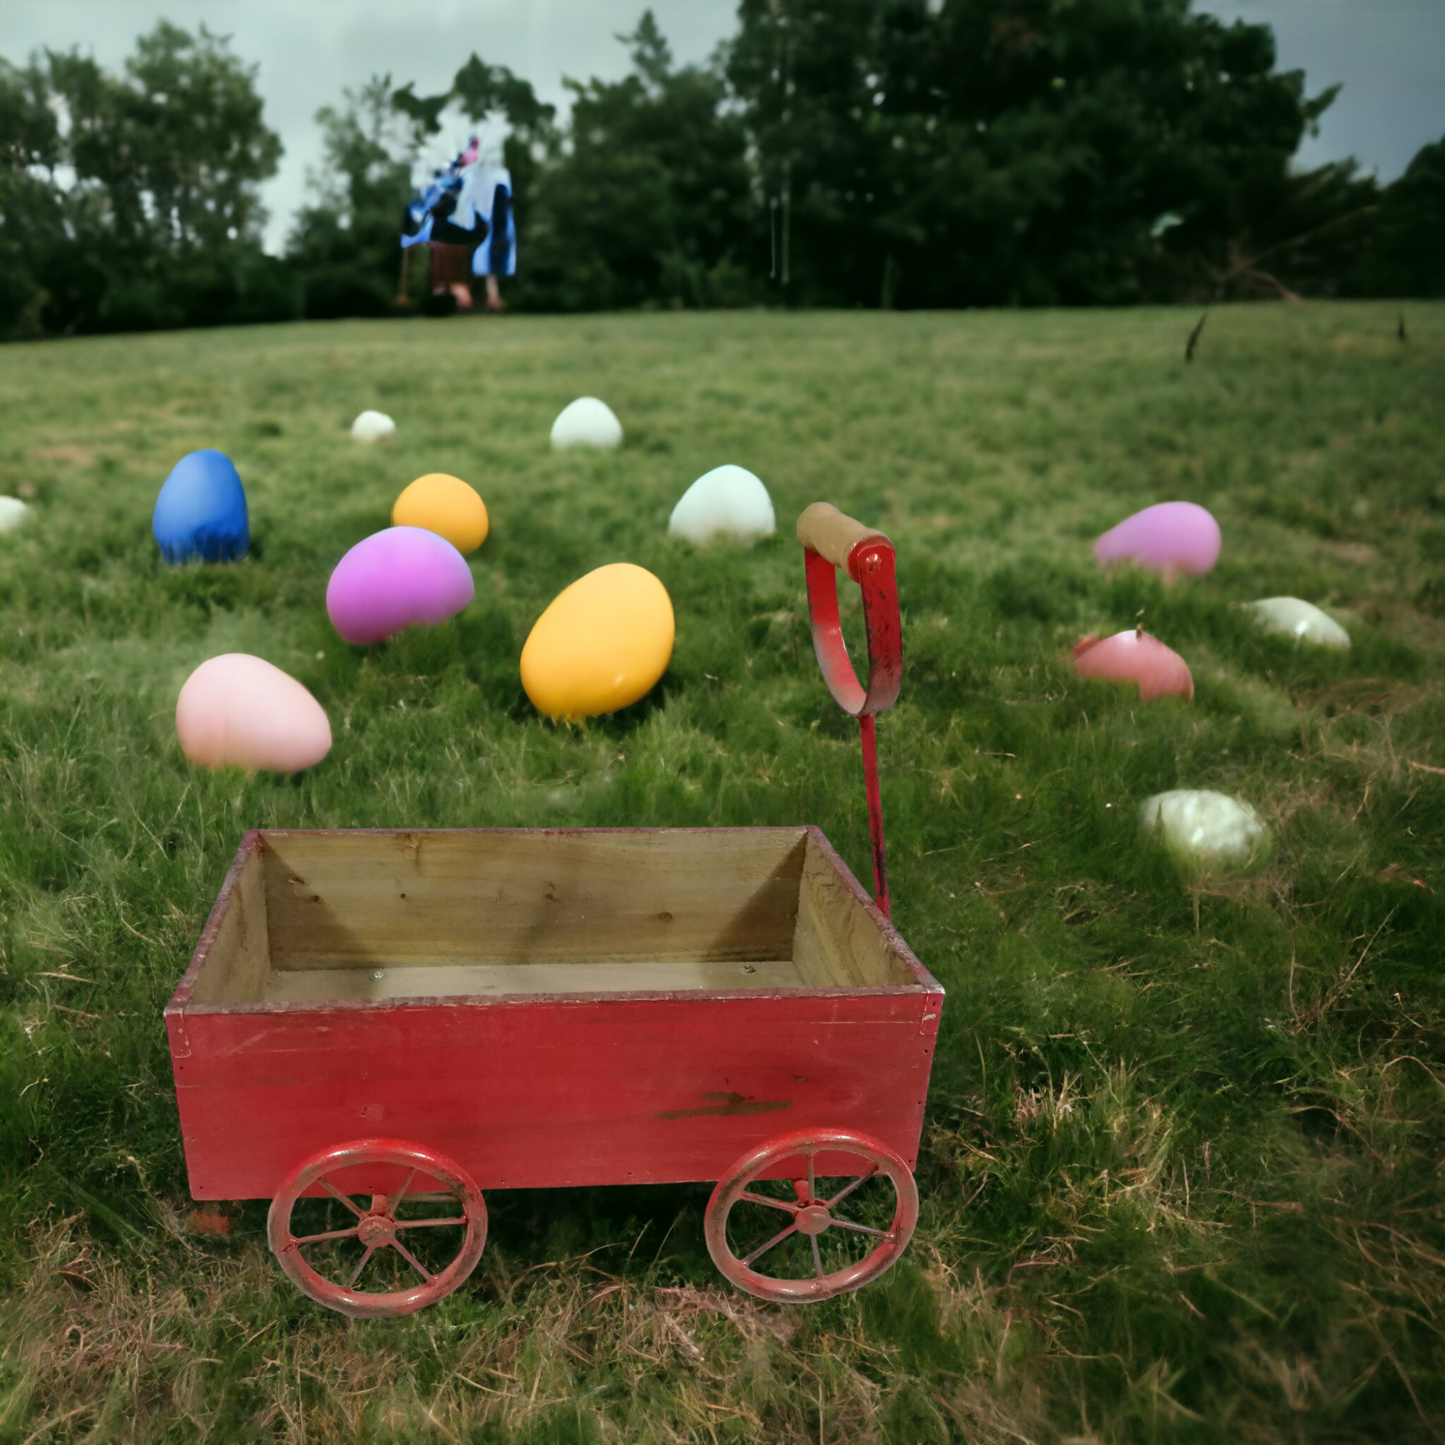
{"x": 369, "y": 1254}
{"x": 782, "y": 1208}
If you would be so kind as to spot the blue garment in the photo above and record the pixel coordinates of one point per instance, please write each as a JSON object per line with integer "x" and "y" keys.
{"x": 497, "y": 255}
{"x": 468, "y": 203}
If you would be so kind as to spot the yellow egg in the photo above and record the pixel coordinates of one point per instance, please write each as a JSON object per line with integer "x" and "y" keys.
{"x": 602, "y": 643}
{"x": 444, "y": 505}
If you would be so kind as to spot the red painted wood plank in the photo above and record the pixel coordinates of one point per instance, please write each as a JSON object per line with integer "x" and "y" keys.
{"x": 537, "y": 1093}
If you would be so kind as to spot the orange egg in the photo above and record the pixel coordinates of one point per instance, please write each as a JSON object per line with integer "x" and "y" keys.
{"x": 445, "y": 505}
{"x": 601, "y": 644}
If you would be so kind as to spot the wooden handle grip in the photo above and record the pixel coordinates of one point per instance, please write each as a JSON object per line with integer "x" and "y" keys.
{"x": 831, "y": 534}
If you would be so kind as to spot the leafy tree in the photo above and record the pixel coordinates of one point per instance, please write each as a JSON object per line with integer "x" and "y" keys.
{"x": 1015, "y": 151}
{"x": 31, "y": 221}
{"x": 176, "y": 146}
{"x": 158, "y": 219}
{"x": 1409, "y": 238}
{"x": 345, "y": 243}
{"x": 647, "y": 195}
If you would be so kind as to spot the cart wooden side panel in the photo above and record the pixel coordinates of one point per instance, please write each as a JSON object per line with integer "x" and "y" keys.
{"x": 545, "y": 1091}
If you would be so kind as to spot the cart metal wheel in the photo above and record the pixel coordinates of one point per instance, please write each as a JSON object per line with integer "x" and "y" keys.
{"x": 340, "y": 1259}
{"x": 813, "y": 1213}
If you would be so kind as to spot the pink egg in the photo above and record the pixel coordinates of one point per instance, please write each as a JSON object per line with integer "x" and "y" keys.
{"x": 238, "y": 711}
{"x": 1170, "y": 537}
{"x": 394, "y": 579}
{"x": 1134, "y": 656}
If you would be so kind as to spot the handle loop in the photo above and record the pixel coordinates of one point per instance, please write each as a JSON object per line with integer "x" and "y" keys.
{"x": 831, "y": 540}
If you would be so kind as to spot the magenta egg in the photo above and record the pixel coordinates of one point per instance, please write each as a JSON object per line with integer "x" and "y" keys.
{"x": 1169, "y": 537}
{"x": 1134, "y": 656}
{"x": 395, "y": 578}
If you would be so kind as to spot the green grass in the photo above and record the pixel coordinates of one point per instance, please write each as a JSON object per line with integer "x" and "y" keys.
{"x": 1184, "y": 1163}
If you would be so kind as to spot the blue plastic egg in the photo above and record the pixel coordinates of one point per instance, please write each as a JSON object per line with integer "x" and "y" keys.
{"x": 201, "y": 510}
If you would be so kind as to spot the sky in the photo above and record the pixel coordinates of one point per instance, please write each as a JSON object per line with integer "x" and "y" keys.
{"x": 1389, "y": 55}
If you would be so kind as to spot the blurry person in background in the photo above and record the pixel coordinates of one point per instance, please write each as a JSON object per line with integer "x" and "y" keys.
{"x": 465, "y": 218}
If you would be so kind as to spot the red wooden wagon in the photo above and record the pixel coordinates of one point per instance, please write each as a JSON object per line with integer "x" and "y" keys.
{"x": 378, "y": 1025}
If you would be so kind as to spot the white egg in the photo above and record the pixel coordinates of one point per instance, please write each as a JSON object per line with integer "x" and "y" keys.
{"x": 1204, "y": 829}
{"x": 373, "y": 426}
{"x": 586, "y": 422}
{"x": 1301, "y": 620}
{"x": 12, "y": 512}
{"x": 728, "y": 501}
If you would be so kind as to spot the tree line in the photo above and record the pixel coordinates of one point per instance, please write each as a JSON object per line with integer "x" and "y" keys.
{"x": 877, "y": 153}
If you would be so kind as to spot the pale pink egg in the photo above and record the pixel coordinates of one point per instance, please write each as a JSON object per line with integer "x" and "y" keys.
{"x": 239, "y": 711}
{"x": 1134, "y": 656}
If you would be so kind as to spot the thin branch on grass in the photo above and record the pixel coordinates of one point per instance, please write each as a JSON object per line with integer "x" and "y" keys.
{"x": 1194, "y": 337}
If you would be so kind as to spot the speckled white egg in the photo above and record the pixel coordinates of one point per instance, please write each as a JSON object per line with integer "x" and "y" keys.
{"x": 1204, "y": 829}
{"x": 1293, "y": 617}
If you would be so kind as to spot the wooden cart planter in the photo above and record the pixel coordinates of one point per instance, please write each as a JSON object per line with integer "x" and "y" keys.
{"x": 387, "y": 1023}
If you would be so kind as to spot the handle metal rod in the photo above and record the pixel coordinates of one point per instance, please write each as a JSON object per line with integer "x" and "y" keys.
{"x": 831, "y": 540}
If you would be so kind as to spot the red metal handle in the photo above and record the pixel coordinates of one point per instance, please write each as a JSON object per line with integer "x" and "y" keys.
{"x": 831, "y": 540}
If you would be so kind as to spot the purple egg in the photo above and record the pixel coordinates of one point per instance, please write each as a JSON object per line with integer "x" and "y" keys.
{"x": 1168, "y": 537}
{"x": 395, "y": 578}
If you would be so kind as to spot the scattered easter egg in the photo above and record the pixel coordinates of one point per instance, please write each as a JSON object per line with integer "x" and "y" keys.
{"x": 201, "y": 510}
{"x": 239, "y": 711}
{"x": 601, "y": 644}
{"x": 393, "y": 579}
{"x": 1134, "y": 656}
{"x": 1204, "y": 829}
{"x": 586, "y": 422}
{"x": 12, "y": 512}
{"x": 1300, "y": 620}
{"x": 373, "y": 426}
{"x": 1170, "y": 537}
{"x": 445, "y": 505}
{"x": 728, "y": 501}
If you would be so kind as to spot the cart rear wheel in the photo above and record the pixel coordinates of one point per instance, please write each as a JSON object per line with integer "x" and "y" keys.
{"x": 784, "y": 1177}
{"x": 422, "y": 1239}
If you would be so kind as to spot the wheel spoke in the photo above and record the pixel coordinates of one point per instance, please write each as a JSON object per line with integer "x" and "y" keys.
{"x": 860, "y": 1228}
{"x": 425, "y": 1223}
{"x": 762, "y": 1249}
{"x": 400, "y": 1193}
{"x": 330, "y": 1234}
{"x": 335, "y": 1193}
{"x": 849, "y": 1188}
{"x": 817, "y": 1255}
{"x": 786, "y": 1205}
{"x": 356, "y": 1273}
{"x": 812, "y": 1182}
{"x": 411, "y": 1259}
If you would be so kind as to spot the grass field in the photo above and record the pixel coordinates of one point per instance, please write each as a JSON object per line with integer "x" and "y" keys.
{"x": 1183, "y": 1173}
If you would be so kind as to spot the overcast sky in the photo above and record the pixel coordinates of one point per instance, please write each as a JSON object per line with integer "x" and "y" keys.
{"x": 1390, "y": 55}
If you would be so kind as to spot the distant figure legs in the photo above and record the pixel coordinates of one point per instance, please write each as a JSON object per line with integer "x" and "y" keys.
{"x": 451, "y": 271}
